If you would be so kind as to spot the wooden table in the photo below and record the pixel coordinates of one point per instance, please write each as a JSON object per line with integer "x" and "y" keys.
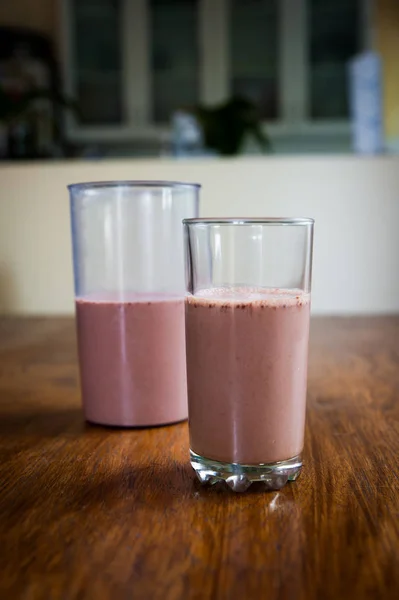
{"x": 89, "y": 512}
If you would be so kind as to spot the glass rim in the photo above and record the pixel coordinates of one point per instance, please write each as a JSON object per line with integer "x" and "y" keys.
{"x": 250, "y": 221}
{"x": 132, "y": 183}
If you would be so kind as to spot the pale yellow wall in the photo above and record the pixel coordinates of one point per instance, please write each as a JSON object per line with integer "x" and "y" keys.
{"x": 40, "y": 15}
{"x": 354, "y": 201}
{"x": 387, "y": 44}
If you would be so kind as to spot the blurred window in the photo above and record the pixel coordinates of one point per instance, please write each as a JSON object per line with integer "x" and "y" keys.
{"x": 254, "y": 59}
{"x": 290, "y": 57}
{"x": 174, "y": 56}
{"x": 96, "y": 29}
{"x": 334, "y": 38}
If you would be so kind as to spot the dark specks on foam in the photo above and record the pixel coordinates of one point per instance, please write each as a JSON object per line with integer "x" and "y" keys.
{"x": 241, "y": 298}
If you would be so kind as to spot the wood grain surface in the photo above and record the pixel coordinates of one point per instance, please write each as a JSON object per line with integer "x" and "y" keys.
{"x": 90, "y": 512}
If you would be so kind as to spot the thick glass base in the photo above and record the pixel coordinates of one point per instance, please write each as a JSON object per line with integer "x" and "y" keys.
{"x": 239, "y": 477}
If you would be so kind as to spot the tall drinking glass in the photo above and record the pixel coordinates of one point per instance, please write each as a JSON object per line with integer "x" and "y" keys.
{"x": 129, "y": 286}
{"x": 247, "y": 330}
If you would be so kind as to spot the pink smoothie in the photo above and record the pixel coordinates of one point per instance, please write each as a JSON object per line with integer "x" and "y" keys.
{"x": 247, "y": 352}
{"x": 132, "y": 360}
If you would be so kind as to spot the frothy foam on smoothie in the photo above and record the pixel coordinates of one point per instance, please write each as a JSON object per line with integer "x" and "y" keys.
{"x": 233, "y": 296}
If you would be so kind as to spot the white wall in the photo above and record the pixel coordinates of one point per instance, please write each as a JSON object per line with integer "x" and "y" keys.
{"x": 355, "y": 203}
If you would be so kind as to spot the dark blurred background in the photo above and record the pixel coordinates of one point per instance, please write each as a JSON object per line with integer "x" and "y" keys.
{"x": 98, "y": 78}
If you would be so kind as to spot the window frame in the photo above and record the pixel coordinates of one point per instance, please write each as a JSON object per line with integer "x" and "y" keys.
{"x": 213, "y": 28}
